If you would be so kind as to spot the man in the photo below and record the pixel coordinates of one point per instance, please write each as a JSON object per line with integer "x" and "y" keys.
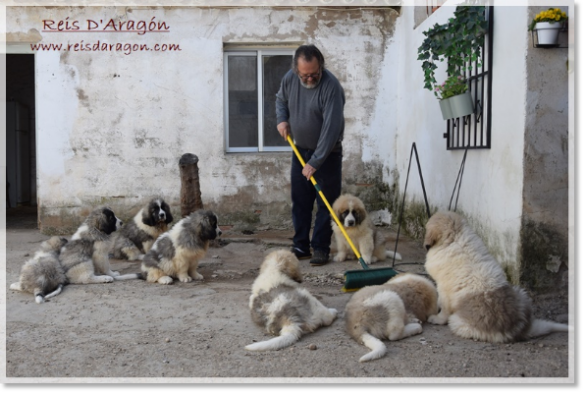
{"x": 309, "y": 107}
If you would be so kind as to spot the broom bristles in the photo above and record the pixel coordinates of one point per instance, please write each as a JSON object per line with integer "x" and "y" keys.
{"x": 356, "y": 279}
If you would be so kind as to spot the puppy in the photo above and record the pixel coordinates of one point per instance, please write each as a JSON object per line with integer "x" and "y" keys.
{"x": 394, "y": 310}
{"x": 474, "y": 295}
{"x": 85, "y": 257}
{"x": 356, "y": 222}
{"x": 43, "y": 275}
{"x": 136, "y": 237}
{"x": 176, "y": 253}
{"x": 280, "y": 306}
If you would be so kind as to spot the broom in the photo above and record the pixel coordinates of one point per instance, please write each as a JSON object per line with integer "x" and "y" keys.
{"x": 354, "y": 279}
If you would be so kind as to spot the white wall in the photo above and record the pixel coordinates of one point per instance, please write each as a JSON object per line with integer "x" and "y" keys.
{"x": 111, "y": 127}
{"x": 491, "y": 191}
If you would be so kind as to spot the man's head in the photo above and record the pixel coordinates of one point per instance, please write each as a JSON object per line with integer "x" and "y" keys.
{"x": 308, "y": 64}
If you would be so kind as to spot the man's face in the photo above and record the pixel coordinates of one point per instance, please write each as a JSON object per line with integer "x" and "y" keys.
{"x": 308, "y": 72}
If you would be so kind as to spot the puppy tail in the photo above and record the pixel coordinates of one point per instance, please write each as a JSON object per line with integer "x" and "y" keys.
{"x": 543, "y": 327}
{"x": 138, "y": 275}
{"x": 390, "y": 253}
{"x": 288, "y": 336}
{"x": 377, "y": 346}
{"x": 56, "y": 292}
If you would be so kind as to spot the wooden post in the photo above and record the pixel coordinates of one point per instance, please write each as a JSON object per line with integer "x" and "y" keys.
{"x": 190, "y": 191}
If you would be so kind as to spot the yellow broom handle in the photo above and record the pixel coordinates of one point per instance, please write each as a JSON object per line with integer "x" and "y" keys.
{"x": 355, "y": 251}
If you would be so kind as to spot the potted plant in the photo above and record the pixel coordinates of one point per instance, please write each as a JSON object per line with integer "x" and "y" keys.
{"x": 547, "y": 25}
{"x": 455, "y": 98}
{"x": 459, "y": 42}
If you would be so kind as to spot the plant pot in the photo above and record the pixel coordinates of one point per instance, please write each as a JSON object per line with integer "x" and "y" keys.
{"x": 547, "y": 33}
{"x": 457, "y": 106}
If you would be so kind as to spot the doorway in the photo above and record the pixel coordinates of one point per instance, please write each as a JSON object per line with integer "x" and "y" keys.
{"x": 21, "y": 177}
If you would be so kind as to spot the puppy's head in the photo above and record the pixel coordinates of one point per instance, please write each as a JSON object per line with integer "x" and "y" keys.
{"x": 284, "y": 262}
{"x": 442, "y": 228}
{"x": 350, "y": 210}
{"x": 53, "y": 244}
{"x": 104, "y": 220}
{"x": 206, "y": 224}
{"x": 157, "y": 213}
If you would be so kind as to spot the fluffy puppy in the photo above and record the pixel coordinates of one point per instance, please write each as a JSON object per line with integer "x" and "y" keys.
{"x": 394, "y": 310}
{"x": 369, "y": 241}
{"x": 136, "y": 237}
{"x": 176, "y": 253}
{"x": 280, "y": 306}
{"x": 43, "y": 275}
{"x": 85, "y": 257}
{"x": 474, "y": 295}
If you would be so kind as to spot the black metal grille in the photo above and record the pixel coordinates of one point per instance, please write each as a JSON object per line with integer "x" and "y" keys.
{"x": 474, "y": 131}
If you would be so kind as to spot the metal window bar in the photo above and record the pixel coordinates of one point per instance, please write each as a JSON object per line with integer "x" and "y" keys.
{"x": 474, "y": 131}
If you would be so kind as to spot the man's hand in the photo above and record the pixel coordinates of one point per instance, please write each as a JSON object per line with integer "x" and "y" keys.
{"x": 283, "y": 129}
{"x": 308, "y": 171}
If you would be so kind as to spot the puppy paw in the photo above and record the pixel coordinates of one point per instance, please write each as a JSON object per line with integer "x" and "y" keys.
{"x": 340, "y": 257}
{"x": 113, "y": 273}
{"x": 185, "y": 279}
{"x": 106, "y": 279}
{"x": 437, "y": 319}
{"x": 333, "y": 311}
{"x": 165, "y": 280}
{"x": 197, "y": 276}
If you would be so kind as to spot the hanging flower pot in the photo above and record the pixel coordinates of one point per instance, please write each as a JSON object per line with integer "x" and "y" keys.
{"x": 457, "y": 106}
{"x": 547, "y": 32}
{"x": 547, "y": 24}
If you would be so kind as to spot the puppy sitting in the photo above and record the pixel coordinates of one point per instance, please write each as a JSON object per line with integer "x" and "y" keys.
{"x": 176, "y": 253}
{"x": 356, "y": 222}
{"x": 394, "y": 310}
{"x": 475, "y": 297}
{"x": 281, "y": 306}
{"x": 136, "y": 237}
{"x": 85, "y": 257}
{"x": 43, "y": 275}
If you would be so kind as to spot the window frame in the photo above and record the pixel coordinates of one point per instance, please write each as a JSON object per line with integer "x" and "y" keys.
{"x": 259, "y": 53}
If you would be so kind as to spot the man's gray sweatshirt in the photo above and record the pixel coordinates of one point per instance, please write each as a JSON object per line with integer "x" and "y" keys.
{"x": 315, "y": 115}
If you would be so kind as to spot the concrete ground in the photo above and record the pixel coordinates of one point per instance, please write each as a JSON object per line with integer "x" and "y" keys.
{"x": 189, "y": 332}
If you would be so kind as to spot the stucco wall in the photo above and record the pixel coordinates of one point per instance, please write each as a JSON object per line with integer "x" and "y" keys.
{"x": 546, "y": 173}
{"x": 111, "y": 127}
{"x": 491, "y": 188}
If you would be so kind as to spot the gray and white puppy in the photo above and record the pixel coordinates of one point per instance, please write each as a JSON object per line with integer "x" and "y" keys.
{"x": 176, "y": 253}
{"x": 43, "y": 275}
{"x": 136, "y": 237}
{"x": 393, "y": 310}
{"x": 85, "y": 257}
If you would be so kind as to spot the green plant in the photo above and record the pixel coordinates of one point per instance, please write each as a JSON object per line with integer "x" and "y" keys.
{"x": 453, "y": 86}
{"x": 551, "y": 15}
{"x": 459, "y": 41}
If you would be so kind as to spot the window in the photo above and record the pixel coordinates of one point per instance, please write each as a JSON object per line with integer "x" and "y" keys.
{"x": 251, "y": 81}
{"x": 474, "y": 131}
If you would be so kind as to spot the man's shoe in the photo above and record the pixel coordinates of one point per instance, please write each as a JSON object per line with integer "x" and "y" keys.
{"x": 319, "y": 258}
{"x": 300, "y": 254}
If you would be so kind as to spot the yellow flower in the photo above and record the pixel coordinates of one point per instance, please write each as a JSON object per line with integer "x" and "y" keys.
{"x": 557, "y": 17}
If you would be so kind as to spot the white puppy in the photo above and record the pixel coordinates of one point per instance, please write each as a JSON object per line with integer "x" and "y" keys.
{"x": 281, "y": 306}
{"x": 475, "y": 297}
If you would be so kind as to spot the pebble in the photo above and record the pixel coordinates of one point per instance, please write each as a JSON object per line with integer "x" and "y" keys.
{"x": 167, "y": 340}
{"x": 540, "y": 345}
{"x": 312, "y": 346}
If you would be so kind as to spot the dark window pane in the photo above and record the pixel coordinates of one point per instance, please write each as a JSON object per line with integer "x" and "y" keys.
{"x": 243, "y": 101}
{"x": 274, "y": 69}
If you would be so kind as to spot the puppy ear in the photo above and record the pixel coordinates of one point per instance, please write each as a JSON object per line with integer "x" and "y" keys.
{"x": 169, "y": 217}
{"x": 431, "y": 237}
{"x": 147, "y": 218}
{"x": 290, "y": 267}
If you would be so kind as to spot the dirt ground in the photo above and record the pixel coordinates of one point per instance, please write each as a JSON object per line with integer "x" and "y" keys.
{"x": 186, "y": 332}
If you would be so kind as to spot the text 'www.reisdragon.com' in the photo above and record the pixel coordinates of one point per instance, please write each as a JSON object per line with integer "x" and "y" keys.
{"x": 125, "y": 48}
